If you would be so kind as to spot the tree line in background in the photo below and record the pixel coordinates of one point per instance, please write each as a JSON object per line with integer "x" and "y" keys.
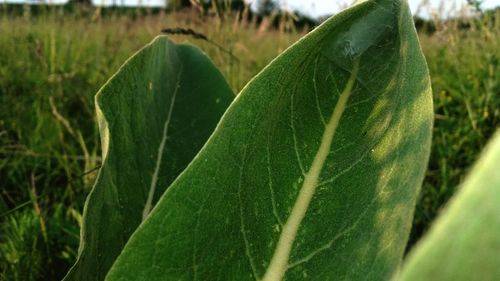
{"x": 262, "y": 10}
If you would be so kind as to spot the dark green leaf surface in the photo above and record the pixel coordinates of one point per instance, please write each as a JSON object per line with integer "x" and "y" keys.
{"x": 314, "y": 170}
{"x": 464, "y": 244}
{"x": 154, "y": 116}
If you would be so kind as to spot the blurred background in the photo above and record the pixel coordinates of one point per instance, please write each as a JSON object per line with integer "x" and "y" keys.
{"x": 56, "y": 54}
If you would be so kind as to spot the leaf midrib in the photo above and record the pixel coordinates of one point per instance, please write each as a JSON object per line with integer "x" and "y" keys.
{"x": 279, "y": 261}
{"x": 154, "y": 180}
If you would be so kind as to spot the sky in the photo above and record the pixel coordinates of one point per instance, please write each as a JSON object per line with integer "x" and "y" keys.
{"x": 317, "y": 8}
{"x": 313, "y": 8}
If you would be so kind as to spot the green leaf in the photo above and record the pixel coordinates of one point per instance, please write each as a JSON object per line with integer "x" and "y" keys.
{"x": 464, "y": 243}
{"x": 154, "y": 115}
{"x": 314, "y": 169}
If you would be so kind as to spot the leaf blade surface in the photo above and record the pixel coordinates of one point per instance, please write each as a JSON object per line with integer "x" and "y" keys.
{"x": 223, "y": 218}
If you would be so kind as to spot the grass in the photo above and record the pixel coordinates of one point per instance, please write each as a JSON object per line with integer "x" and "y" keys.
{"x": 465, "y": 75}
{"x": 53, "y": 63}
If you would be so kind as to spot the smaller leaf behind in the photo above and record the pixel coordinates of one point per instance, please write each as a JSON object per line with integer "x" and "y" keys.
{"x": 464, "y": 243}
{"x": 154, "y": 115}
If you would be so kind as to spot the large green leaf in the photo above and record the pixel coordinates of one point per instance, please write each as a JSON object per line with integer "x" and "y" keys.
{"x": 154, "y": 116}
{"x": 314, "y": 169}
{"x": 464, "y": 243}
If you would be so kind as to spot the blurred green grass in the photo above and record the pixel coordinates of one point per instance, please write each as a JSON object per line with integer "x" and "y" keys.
{"x": 52, "y": 64}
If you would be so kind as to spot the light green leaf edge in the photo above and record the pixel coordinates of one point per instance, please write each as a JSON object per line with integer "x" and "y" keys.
{"x": 154, "y": 115}
{"x": 222, "y": 219}
{"x": 464, "y": 242}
